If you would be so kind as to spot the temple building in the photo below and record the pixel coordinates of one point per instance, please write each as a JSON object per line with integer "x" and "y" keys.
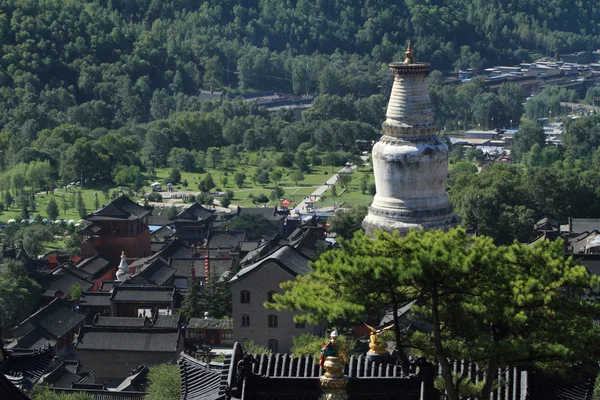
{"x": 120, "y": 226}
{"x": 410, "y": 162}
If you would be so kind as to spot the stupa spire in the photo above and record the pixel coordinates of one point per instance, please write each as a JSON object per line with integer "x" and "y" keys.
{"x": 123, "y": 273}
{"x": 410, "y": 59}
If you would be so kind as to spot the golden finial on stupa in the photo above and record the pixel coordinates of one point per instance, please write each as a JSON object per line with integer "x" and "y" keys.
{"x": 409, "y": 55}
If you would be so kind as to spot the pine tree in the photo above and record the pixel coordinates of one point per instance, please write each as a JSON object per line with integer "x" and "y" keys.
{"x": 192, "y": 303}
{"x": 81, "y": 206}
{"x": 52, "y": 209}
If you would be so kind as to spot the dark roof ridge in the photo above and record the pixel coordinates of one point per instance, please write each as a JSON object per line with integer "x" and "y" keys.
{"x": 144, "y": 287}
{"x": 130, "y": 329}
{"x": 47, "y": 307}
{"x": 269, "y": 257}
{"x": 29, "y": 353}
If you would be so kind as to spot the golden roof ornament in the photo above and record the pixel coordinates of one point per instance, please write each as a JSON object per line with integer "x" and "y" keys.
{"x": 409, "y": 55}
{"x": 377, "y": 344}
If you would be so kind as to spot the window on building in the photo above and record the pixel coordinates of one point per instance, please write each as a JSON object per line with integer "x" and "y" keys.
{"x": 273, "y": 345}
{"x": 144, "y": 312}
{"x": 300, "y": 325}
{"x": 270, "y": 296}
{"x": 245, "y": 320}
{"x": 273, "y": 321}
{"x": 226, "y": 335}
{"x": 245, "y": 296}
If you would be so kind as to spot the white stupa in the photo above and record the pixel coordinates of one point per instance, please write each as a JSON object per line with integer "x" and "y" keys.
{"x": 123, "y": 273}
{"x": 410, "y": 162}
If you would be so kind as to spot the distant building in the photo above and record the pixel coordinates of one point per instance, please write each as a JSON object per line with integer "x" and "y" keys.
{"x": 216, "y": 332}
{"x": 193, "y": 223}
{"x": 120, "y": 226}
{"x": 54, "y": 326}
{"x": 256, "y": 284}
{"x": 129, "y": 300}
{"x": 21, "y": 369}
{"x": 225, "y": 243}
{"x": 113, "y": 351}
{"x": 581, "y": 57}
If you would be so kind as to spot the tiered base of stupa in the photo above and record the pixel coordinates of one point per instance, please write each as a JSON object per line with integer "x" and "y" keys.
{"x": 403, "y": 220}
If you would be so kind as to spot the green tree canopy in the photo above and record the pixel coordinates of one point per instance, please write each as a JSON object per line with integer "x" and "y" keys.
{"x": 19, "y": 294}
{"x": 255, "y": 225}
{"x": 528, "y": 135}
{"x": 510, "y": 305}
{"x": 345, "y": 222}
{"x": 164, "y": 382}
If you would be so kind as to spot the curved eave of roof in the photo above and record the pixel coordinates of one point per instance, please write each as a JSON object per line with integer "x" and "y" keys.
{"x": 249, "y": 270}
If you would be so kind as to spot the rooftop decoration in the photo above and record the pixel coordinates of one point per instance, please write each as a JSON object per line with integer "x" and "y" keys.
{"x": 409, "y": 55}
{"x": 377, "y": 345}
{"x": 332, "y": 360}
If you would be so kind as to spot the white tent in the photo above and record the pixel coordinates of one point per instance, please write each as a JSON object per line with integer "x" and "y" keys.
{"x": 154, "y": 184}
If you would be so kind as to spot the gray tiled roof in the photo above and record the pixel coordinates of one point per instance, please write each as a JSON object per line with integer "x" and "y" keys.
{"x": 194, "y": 213}
{"x": 35, "y": 340}
{"x": 175, "y": 249}
{"x": 580, "y": 225}
{"x": 286, "y": 256}
{"x": 274, "y": 243}
{"x": 219, "y": 266}
{"x": 63, "y": 280}
{"x": 95, "y": 299}
{"x": 56, "y": 319}
{"x": 268, "y": 212}
{"x": 226, "y": 239}
{"x": 183, "y": 267}
{"x": 167, "y": 321}
{"x": 31, "y": 365}
{"x": 102, "y": 394}
{"x": 210, "y": 323}
{"x": 163, "y": 294}
{"x": 61, "y": 377}
{"x": 157, "y": 272}
{"x": 197, "y": 381}
{"x": 149, "y": 340}
{"x": 124, "y": 322}
{"x": 157, "y": 246}
{"x": 94, "y": 264}
{"x": 121, "y": 208}
{"x": 249, "y": 246}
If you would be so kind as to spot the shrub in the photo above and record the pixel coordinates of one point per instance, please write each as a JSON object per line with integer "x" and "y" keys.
{"x": 154, "y": 196}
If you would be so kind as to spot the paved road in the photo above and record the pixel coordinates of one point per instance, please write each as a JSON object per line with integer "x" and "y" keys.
{"x": 316, "y": 195}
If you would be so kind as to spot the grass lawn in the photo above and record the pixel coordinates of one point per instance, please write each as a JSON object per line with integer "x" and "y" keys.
{"x": 352, "y": 195}
{"x": 63, "y": 196}
{"x": 312, "y": 180}
{"x": 294, "y": 191}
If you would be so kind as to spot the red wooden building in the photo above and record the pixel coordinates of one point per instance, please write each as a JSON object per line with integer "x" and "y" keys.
{"x": 120, "y": 226}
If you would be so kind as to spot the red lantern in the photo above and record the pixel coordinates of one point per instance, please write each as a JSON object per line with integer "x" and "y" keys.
{"x": 206, "y": 268}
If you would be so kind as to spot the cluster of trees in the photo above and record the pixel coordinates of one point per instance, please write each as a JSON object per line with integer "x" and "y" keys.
{"x": 471, "y": 104}
{"x": 19, "y": 294}
{"x": 211, "y": 137}
{"x": 497, "y": 306}
{"x": 99, "y": 65}
{"x": 504, "y": 201}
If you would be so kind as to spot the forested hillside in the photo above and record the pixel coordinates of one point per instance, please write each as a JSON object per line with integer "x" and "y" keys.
{"x": 102, "y": 65}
